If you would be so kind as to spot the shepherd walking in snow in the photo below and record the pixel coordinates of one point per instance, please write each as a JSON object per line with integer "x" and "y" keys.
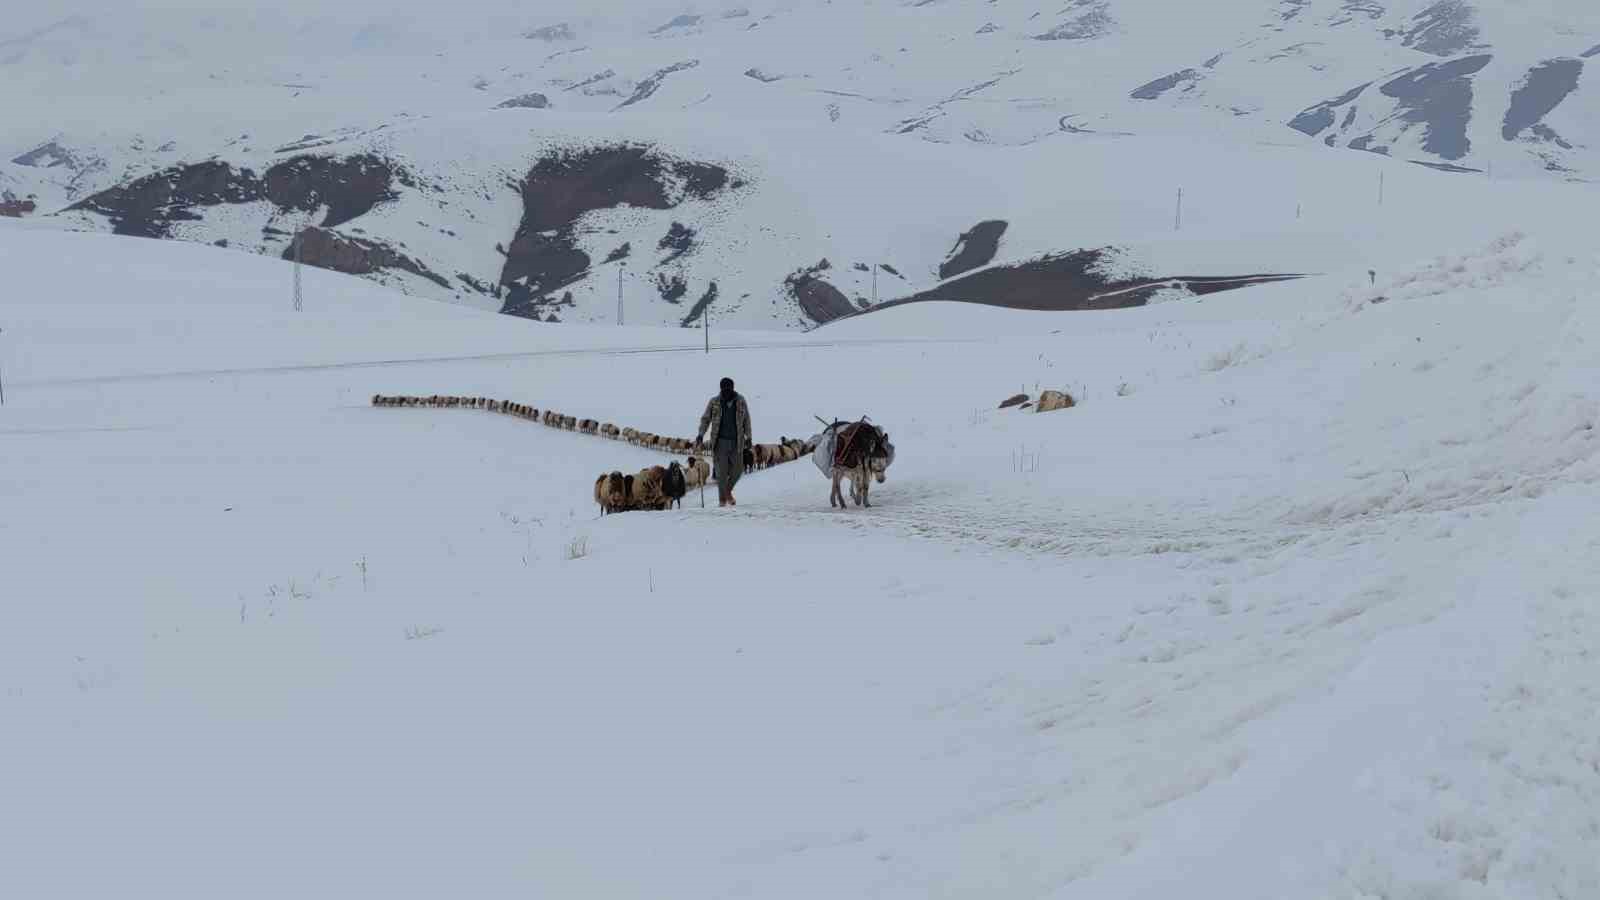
{"x": 727, "y": 422}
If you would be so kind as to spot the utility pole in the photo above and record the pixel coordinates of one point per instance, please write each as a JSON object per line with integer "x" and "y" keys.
{"x": 620, "y": 268}
{"x": 1380, "y": 188}
{"x": 297, "y": 300}
{"x": 1177, "y": 222}
{"x": 874, "y": 284}
{"x": 705, "y": 325}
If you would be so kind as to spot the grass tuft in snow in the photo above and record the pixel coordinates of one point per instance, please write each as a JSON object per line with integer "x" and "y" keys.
{"x": 578, "y": 547}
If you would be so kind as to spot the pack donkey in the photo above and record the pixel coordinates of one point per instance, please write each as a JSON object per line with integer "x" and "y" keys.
{"x": 859, "y": 451}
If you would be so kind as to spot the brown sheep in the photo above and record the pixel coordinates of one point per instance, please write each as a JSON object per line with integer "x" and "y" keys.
{"x": 1049, "y": 401}
{"x": 647, "y": 489}
{"x": 611, "y": 492}
{"x": 609, "y": 430}
{"x": 569, "y": 423}
{"x": 766, "y": 455}
{"x": 589, "y": 426}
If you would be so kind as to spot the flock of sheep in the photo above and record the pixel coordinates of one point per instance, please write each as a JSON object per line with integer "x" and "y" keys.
{"x": 655, "y": 487}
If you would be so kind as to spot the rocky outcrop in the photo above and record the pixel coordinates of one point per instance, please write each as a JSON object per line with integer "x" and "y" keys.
{"x": 678, "y": 240}
{"x": 354, "y": 256}
{"x": 1540, "y": 92}
{"x": 544, "y": 256}
{"x": 347, "y": 187}
{"x": 48, "y": 155}
{"x": 1090, "y": 19}
{"x": 147, "y": 207}
{"x": 650, "y": 85}
{"x": 686, "y": 20}
{"x": 1154, "y": 89}
{"x": 692, "y": 320}
{"x": 973, "y": 248}
{"x": 1444, "y": 29}
{"x": 1436, "y": 97}
{"x": 550, "y": 33}
{"x": 672, "y": 288}
{"x": 534, "y": 100}
{"x": 1069, "y": 281}
{"x": 819, "y": 300}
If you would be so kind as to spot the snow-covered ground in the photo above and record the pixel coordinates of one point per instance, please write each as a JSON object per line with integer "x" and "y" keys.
{"x": 1298, "y": 602}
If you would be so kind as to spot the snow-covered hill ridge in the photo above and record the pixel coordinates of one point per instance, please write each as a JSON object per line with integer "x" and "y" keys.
{"x": 854, "y": 127}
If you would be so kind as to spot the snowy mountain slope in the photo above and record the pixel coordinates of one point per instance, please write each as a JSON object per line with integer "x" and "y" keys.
{"x": 487, "y": 210}
{"x": 1297, "y": 602}
{"x": 956, "y": 112}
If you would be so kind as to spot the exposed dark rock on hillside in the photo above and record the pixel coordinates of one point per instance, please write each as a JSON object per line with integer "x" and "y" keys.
{"x": 533, "y": 100}
{"x": 1545, "y": 86}
{"x": 819, "y": 300}
{"x": 594, "y": 79}
{"x": 147, "y": 207}
{"x": 1068, "y": 281}
{"x": 1153, "y": 90}
{"x": 350, "y": 186}
{"x": 1092, "y": 19}
{"x": 1438, "y": 96}
{"x": 1435, "y": 96}
{"x": 651, "y": 84}
{"x": 1321, "y": 117}
{"x": 709, "y": 297}
{"x": 549, "y": 33}
{"x": 543, "y": 256}
{"x": 974, "y": 248}
{"x": 1444, "y": 29}
{"x": 354, "y": 256}
{"x": 672, "y": 287}
{"x": 47, "y": 156}
{"x": 679, "y": 239}
{"x": 683, "y": 21}
{"x": 540, "y": 309}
